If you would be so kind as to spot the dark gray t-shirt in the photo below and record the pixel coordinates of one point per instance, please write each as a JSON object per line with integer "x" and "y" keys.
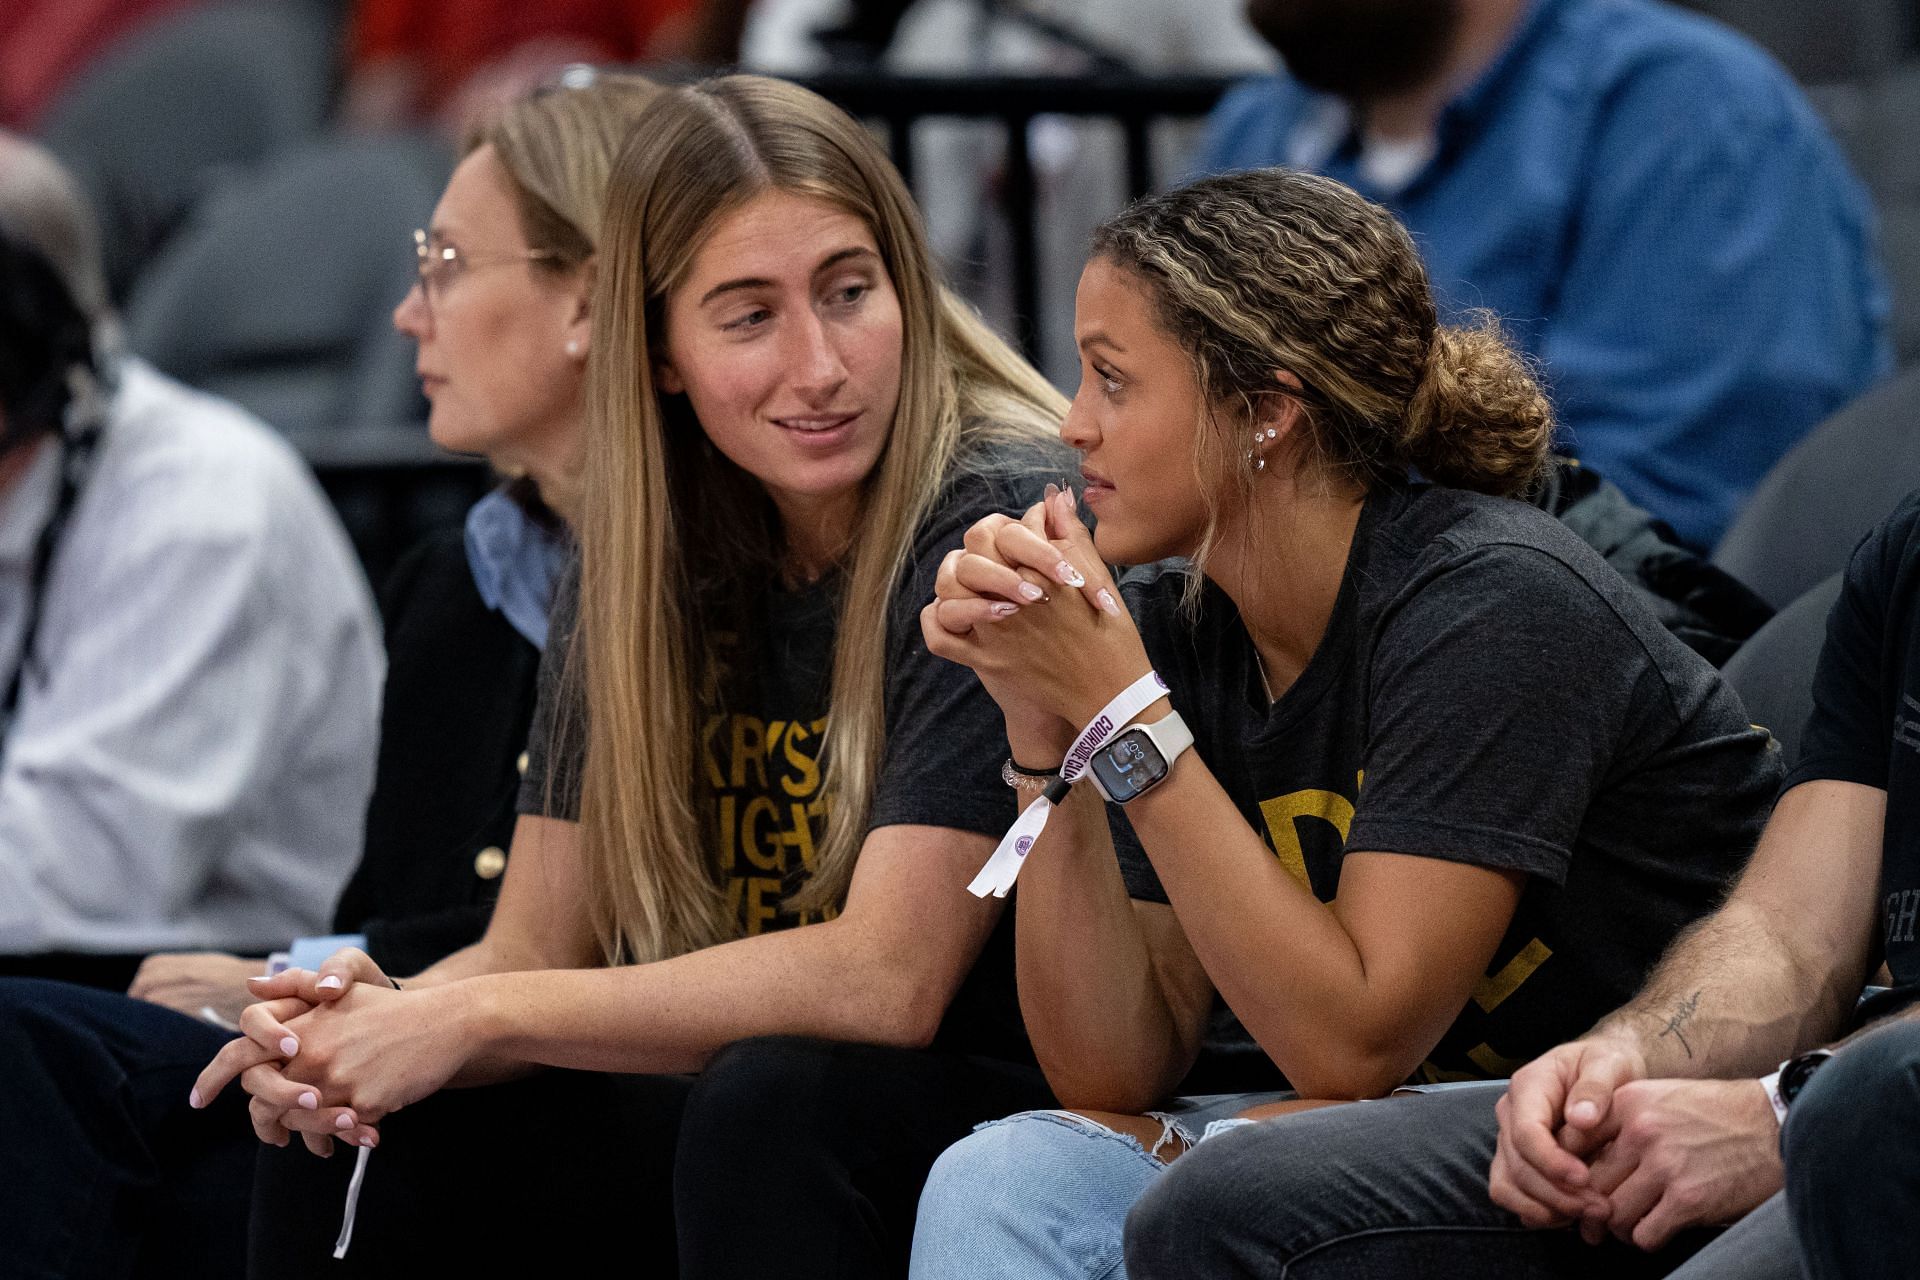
{"x": 760, "y": 746}
{"x": 1488, "y": 691}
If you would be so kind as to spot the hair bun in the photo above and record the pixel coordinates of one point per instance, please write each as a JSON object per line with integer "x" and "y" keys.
{"x": 1478, "y": 419}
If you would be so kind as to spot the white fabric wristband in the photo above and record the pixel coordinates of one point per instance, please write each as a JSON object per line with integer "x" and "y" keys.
{"x": 1003, "y": 868}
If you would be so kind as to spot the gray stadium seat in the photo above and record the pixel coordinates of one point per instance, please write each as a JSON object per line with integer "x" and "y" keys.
{"x": 1804, "y": 519}
{"x": 1773, "y": 672}
{"x": 1823, "y": 41}
{"x": 278, "y": 293}
{"x": 1876, "y": 121}
{"x": 177, "y": 105}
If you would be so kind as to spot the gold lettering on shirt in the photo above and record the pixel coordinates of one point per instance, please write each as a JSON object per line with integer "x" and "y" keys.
{"x": 1282, "y": 812}
{"x": 1496, "y": 987}
{"x": 1496, "y": 1067}
{"x": 749, "y": 742}
{"x": 767, "y": 813}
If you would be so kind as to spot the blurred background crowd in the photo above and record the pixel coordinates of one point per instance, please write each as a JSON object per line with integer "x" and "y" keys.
{"x": 258, "y": 166}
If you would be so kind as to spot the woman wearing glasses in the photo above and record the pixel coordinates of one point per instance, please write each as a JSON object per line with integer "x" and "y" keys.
{"x": 754, "y": 796}
{"x": 105, "y": 1170}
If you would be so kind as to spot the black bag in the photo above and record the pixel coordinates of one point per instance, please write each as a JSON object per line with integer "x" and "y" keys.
{"x": 1707, "y": 607}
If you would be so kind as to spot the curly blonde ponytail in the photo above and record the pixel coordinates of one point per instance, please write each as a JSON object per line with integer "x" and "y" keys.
{"x": 1478, "y": 419}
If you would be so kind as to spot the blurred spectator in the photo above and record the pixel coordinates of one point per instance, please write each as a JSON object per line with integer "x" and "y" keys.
{"x": 187, "y": 647}
{"x": 43, "y": 43}
{"x": 454, "y": 62}
{"x": 1642, "y": 196}
{"x": 1078, "y": 167}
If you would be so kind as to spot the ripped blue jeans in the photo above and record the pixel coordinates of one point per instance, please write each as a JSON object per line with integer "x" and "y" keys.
{"x": 1045, "y": 1194}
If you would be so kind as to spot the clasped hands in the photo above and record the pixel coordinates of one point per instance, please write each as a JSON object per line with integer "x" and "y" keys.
{"x": 1031, "y": 608}
{"x": 328, "y": 1054}
{"x": 1585, "y": 1138}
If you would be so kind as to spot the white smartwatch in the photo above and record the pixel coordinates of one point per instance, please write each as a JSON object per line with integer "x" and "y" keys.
{"x": 1139, "y": 757}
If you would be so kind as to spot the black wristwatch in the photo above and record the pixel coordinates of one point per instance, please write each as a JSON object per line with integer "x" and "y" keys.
{"x": 1786, "y": 1084}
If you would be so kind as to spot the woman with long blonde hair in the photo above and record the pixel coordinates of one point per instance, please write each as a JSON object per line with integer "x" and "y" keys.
{"x": 791, "y": 420}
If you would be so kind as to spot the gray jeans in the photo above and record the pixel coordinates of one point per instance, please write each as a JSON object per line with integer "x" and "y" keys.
{"x": 1390, "y": 1190}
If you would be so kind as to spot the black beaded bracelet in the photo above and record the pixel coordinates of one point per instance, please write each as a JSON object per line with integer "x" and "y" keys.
{"x": 1018, "y": 776}
{"x": 1051, "y": 785}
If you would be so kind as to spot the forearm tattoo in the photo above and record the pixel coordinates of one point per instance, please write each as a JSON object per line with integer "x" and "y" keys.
{"x": 1682, "y": 1014}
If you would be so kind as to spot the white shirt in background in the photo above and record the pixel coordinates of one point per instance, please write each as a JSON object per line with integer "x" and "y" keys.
{"x": 191, "y": 759}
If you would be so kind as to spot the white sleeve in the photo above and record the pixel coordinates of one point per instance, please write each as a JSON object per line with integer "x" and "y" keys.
{"x": 191, "y": 757}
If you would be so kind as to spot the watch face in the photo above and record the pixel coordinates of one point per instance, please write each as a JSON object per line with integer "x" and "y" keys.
{"x": 1795, "y": 1074}
{"x": 1129, "y": 766}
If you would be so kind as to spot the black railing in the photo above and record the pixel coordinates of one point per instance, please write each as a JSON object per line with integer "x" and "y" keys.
{"x": 1134, "y": 103}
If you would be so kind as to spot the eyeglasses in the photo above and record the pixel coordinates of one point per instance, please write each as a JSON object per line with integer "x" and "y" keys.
{"x": 441, "y": 264}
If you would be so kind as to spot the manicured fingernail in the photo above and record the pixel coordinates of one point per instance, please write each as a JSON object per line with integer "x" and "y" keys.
{"x": 1032, "y": 592}
{"x": 193, "y": 1099}
{"x": 1069, "y": 575}
{"x": 329, "y": 983}
{"x": 1582, "y": 1113}
{"x": 343, "y": 1121}
{"x": 1105, "y": 597}
{"x": 289, "y": 1046}
{"x": 1003, "y": 610}
{"x": 368, "y": 1142}
{"x": 261, "y": 977}
{"x": 310, "y": 1100}
{"x": 1050, "y": 490}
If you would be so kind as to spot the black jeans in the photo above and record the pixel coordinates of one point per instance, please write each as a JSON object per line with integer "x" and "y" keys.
{"x": 104, "y": 1169}
{"x": 785, "y": 1157}
{"x": 1853, "y": 1160}
{"x": 1380, "y": 1190}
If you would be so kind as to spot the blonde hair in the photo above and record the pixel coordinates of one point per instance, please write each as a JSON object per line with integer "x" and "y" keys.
{"x": 1272, "y": 269}
{"x": 557, "y": 145}
{"x": 671, "y": 529}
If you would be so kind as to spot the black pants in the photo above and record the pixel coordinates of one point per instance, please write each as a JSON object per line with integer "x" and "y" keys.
{"x": 104, "y": 1169}
{"x": 785, "y": 1157}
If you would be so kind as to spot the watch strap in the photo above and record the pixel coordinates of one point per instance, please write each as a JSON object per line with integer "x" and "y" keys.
{"x": 1772, "y": 1085}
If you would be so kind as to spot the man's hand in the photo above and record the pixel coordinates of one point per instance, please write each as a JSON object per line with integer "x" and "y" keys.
{"x": 1548, "y": 1119}
{"x": 197, "y": 982}
{"x": 1682, "y": 1153}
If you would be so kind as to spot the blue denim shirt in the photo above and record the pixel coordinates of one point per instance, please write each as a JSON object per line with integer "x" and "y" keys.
{"x": 516, "y": 563}
{"x": 1652, "y": 208}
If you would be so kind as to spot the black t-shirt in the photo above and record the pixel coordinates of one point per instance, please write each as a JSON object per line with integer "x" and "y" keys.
{"x": 1865, "y": 724}
{"x": 760, "y": 744}
{"x": 1488, "y": 691}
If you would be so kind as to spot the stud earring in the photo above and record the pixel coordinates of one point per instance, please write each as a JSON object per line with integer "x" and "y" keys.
{"x": 573, "y": 346}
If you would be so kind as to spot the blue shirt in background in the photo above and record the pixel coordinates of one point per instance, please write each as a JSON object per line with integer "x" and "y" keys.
{"x": 1653, "y": 210}
{"x": 516, "y": 563}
